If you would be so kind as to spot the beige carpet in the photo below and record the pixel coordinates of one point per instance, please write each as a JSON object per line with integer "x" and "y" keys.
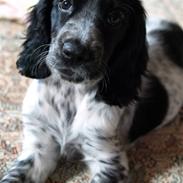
{"x": 157, "y": 158}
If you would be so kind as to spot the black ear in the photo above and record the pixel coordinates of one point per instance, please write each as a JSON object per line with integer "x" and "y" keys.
{"x": 38, "y": 36}
{"x": 127, "y": 64}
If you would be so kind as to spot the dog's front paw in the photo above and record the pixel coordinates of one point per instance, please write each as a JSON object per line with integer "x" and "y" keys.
{"x": 14, "y": 178}
{"x": 110, "y": 177}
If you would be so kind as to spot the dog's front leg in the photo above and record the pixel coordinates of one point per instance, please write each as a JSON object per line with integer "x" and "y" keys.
{"x": 38, "y": 159}
{"x": 98, "y": 125}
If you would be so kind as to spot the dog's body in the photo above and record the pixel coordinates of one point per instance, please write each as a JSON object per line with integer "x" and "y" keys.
{"x": 76, "y": 116}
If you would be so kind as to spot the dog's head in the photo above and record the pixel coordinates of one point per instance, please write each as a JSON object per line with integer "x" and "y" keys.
{"x": 84, "y": 40}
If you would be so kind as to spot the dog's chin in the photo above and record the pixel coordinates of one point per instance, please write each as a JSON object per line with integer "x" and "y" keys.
{"x": 72, "y": 76}
{"x": 78, "y": 77}
{"x": 75, "y": 78}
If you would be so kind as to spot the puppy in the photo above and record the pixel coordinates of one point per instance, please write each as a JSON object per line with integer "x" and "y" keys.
{"x": 95, "y": 89}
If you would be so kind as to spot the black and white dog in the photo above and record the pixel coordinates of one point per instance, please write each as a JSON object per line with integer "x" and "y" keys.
{"x": 100, "y": 83}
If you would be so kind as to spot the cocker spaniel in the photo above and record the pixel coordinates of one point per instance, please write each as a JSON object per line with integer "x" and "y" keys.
{"x": 100, "y": 82}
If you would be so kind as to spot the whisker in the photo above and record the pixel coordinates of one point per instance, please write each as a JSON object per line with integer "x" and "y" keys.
{"x": 40, "y": 61}
{"x": 45, "y": 46}
{"x": 106, "y": 76}
{"x": 127, "y": 8}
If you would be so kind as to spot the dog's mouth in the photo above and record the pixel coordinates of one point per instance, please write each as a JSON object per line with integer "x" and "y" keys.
{"x": 66, "y": 73}
{"x": 70, "y": 75}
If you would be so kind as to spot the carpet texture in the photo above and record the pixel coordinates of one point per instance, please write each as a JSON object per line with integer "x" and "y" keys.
{"x": 156, "y": 158}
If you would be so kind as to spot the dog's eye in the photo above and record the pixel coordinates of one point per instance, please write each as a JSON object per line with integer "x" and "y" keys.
{"x": 65, "y": 4}
{"x": 115, "y": 18}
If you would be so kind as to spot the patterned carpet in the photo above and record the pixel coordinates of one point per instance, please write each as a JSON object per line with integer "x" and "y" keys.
{"x": 157, "y": 158}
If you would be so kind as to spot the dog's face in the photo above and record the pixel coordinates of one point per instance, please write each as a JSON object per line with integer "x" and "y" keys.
{"x": 84, "y": 40}
{"x": 84, "y": 36}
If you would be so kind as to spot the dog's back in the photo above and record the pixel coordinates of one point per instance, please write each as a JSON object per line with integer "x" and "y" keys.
{"x": 162, "y": 87}
{"x": 167, "y": 36}
{"x": 165, "y": 41}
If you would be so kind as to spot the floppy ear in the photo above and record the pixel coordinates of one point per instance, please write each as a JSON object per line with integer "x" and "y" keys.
{"x": 38, "y": 36}
{"x": 126, "y": 65}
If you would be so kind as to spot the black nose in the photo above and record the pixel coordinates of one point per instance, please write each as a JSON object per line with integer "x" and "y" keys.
{"x": 71, "y": 49}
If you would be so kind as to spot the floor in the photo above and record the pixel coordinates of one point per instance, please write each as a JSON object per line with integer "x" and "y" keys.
{"x": 167, "y": 9}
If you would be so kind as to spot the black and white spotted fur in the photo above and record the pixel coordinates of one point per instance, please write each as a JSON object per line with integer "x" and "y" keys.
{"x": 92, "y": 95}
